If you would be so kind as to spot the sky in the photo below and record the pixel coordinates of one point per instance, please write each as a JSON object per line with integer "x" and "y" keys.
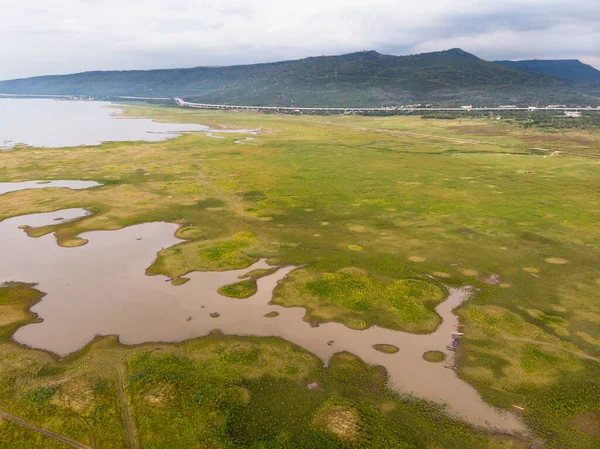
{"x": 40, "y": 37}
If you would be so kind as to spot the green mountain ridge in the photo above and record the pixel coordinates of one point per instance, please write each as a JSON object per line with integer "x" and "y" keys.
{"x": 365, "y": 78}
{"x": 571, "y": 69}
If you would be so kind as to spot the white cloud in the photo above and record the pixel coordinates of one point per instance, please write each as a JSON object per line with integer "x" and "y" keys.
{"x": 560, "y": 42}
{"x": 61, "y": 36}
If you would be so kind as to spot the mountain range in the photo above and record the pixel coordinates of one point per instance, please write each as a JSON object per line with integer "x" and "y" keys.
{"x": 571, "y": 69}
{"x": 367, "y": 78}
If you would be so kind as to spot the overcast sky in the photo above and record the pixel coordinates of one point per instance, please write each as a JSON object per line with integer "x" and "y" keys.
{"x": 39, "y": 37}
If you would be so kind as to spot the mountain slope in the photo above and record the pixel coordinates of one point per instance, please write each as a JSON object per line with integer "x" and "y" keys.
{"x": 571, "y": 69}
{"x": 357, "y": 79}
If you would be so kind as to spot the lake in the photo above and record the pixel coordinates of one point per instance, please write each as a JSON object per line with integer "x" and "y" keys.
{"x": 62, "y": 123}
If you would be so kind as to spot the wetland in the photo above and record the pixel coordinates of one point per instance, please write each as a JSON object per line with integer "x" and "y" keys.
{"x": 101, "y": 289}
{"x": 310, "y": 303}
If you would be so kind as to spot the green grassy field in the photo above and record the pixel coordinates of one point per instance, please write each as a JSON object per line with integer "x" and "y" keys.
{"x": 381, "y": 213}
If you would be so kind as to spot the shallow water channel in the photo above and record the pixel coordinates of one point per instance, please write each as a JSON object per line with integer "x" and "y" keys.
{"x": 101, "y": 289}
{"x": 6, "y": 187}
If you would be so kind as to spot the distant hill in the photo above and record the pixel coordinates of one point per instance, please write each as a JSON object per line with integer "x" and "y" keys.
{"x": 365, "y": 78}
{"x": 571, "y": 69}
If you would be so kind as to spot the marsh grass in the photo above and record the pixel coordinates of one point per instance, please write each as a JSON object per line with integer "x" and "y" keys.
{"x": 405, "y": 304}
{"x": 464, "y": 194}
{"x": 179, "y": 281}
{"x": 219, "y": 255}
{"x": 258, "y": 273}
{"x": 243, "y": 289}
{"x": 15, "y": 300}
{"x": 386, "y": 348}
{"x": 217, "y": 391}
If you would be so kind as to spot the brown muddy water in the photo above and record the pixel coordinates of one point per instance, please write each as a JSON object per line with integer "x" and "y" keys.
{"x": 101, "y": 289}
{"x": 51, "y": 123}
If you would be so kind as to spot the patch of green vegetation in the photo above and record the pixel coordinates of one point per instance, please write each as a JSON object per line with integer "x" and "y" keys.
{"x": 259, "y": 273}
{"x": 353, "y": 291}
{"x": 179, "y": 281}
{"x": 434, "y": 356}
{"x": 240, "y": 354}
{"x": 219, "y": 255}
{"x": 386, "y": 348}
{"x": 17, "y": 293}
{"x": 272, "y": 314}
{"x": 552, "y": 319}
{"x": 49, "y": 370}
{"x": 253, "y": 196}
{"x": 241, "y": 290}
{"x": 533, "y": 359}
{"x": 494, "y": 320}
{"x": 211, "y": 203}
{"x": 406, "y": 304}
{"x": 41, "y": 395}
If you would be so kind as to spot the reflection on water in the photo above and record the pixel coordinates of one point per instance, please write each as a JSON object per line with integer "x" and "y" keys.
{"x": 53, "y": 123}
{"x": 6, "y": 187}
{"x": 101, "y": 289}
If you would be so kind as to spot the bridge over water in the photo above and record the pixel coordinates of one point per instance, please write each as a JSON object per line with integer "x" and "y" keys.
{"x": 312, "y": 110}
{"x": 298, "y": 110}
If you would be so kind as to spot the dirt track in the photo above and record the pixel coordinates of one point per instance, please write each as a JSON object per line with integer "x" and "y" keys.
{"x": 67, "y": 441}
{"x": 132, "y": 436}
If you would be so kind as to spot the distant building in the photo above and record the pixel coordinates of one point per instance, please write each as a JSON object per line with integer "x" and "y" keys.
{"x": 573, "y": 113}
{"x": 507, "y": 106}
{"x": 467, "y": 107}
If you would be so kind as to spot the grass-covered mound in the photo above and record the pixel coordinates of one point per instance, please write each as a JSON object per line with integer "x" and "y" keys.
{"x": 386, "y": 348}
{"x": 434, "y": 356}
{"x": 179, "y": 281}
{"x": 259, "y": 273}
{"x": 243, "y": 289}
{"x": 359, "y": 300}
{"x": 340, "y": 420}
{"x": 223, "y": 254}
